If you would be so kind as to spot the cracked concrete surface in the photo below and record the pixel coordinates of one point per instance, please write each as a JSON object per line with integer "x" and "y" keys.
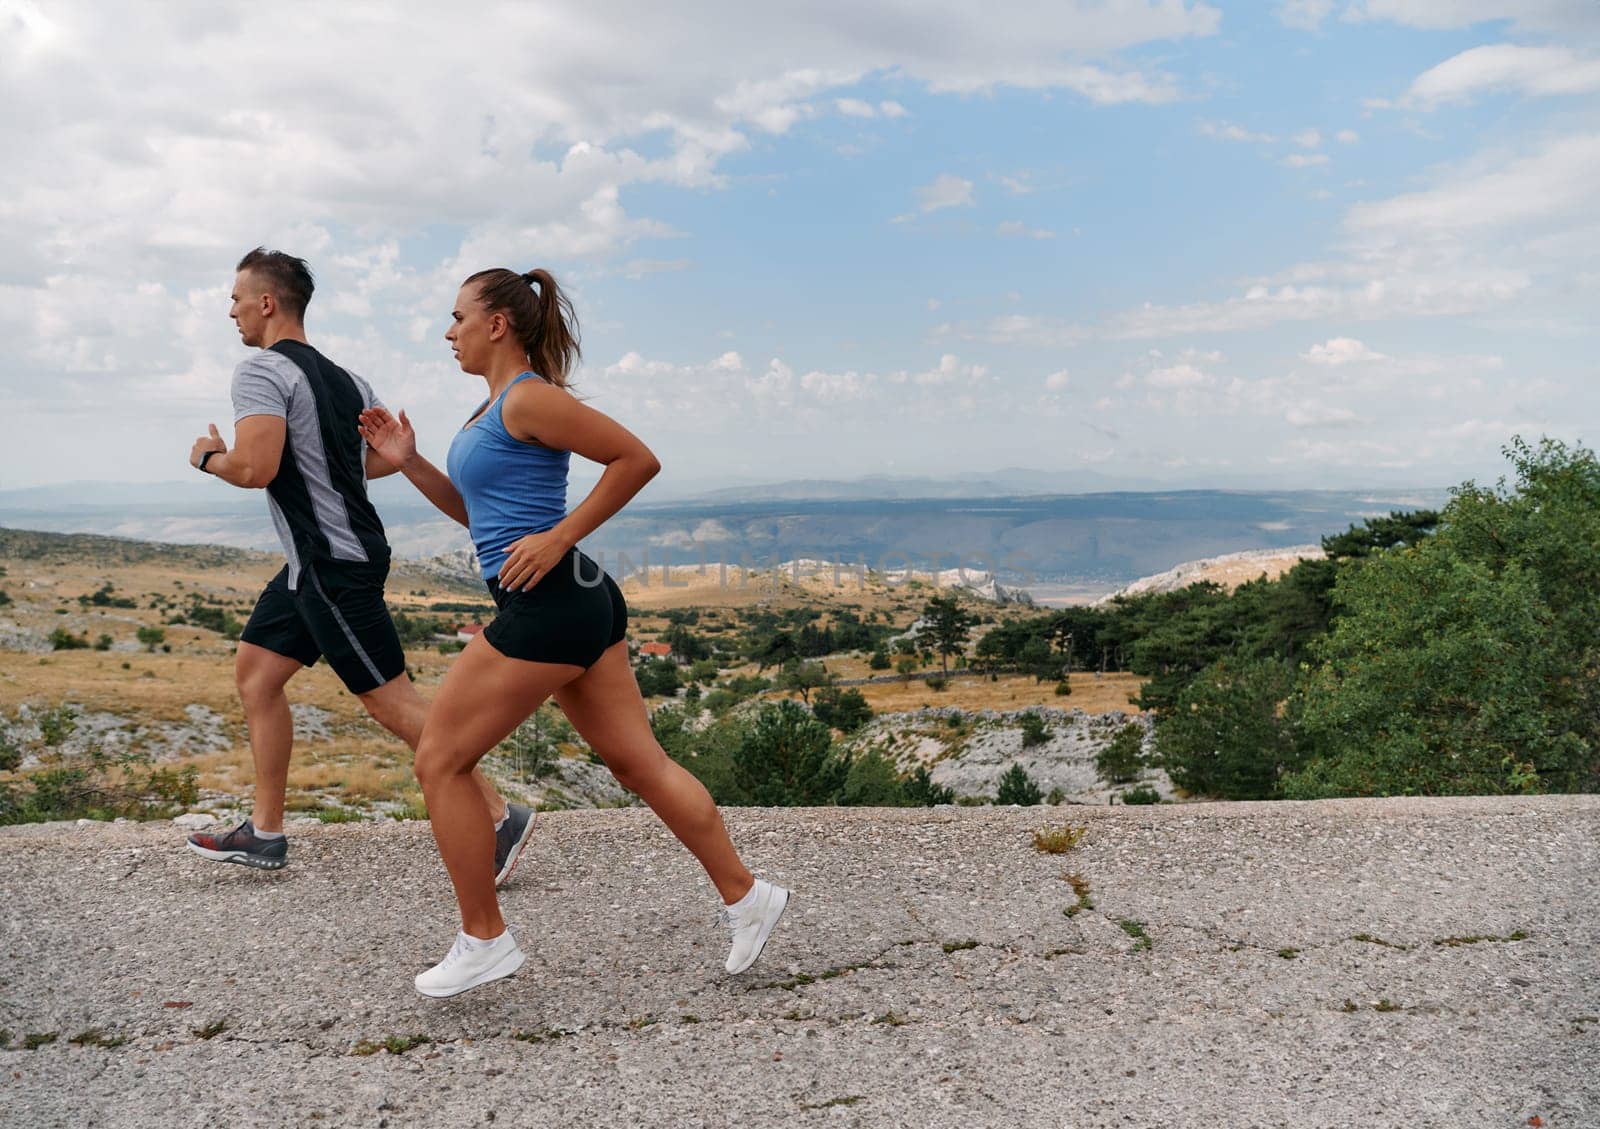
{"x": 1397, "y": 962}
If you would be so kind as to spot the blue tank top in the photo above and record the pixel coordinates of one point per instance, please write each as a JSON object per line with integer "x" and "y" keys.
{"x": 511, "y": 488}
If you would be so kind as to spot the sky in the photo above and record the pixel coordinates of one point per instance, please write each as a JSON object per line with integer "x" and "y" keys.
{"x": 1325, "y": 243}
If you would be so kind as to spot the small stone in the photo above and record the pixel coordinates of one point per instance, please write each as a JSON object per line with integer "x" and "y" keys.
{"x": 190, "y": 820}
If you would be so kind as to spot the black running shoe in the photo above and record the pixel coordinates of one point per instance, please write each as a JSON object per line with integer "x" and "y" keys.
{"x": 241, "y": 846}
{"x": 510, "y": 839}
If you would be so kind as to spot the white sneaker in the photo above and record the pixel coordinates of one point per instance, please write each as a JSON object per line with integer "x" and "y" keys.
{"x": 752, "y": 924}
{"x": 467, "y": 967}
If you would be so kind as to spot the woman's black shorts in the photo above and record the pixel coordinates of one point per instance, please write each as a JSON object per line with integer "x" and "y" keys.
{"x": 572, "y": 615}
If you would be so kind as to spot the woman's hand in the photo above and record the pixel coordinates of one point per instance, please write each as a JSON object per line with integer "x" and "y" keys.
{"x": 393, "y": 439}
{"x": 530, "y": 560}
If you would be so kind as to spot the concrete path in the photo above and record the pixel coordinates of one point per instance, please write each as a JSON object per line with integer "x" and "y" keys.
{"x": 1408, "y": 963}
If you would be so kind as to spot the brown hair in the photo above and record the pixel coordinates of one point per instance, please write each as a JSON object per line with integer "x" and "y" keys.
{"x": 541, "y": 317}
{"x": 287, "y": 278}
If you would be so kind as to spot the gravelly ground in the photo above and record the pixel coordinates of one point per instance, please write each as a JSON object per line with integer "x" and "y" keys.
{"x": 1254, "y": 1004}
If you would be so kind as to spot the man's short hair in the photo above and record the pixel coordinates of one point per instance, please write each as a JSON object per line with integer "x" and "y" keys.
{"x": 288, "y": 278}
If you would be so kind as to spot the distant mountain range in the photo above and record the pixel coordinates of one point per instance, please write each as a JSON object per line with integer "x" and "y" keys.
{"x": 1024, "y": 536}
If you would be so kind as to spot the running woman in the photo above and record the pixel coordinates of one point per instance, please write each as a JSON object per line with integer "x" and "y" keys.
{"x": 561, "y": 621}
{"x": 295, "y": 434}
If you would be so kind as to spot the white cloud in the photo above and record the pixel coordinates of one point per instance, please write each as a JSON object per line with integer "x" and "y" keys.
{"x": 946, "y": 191}
{"x": 1181, "y": 375}
{"x": 1505, "y": 67}
{"x": 855, "y": 108}
{"x": 1016, "y": 228}
{"x": 1304, "y": 14}
{"x": 1320, "y": 415}
{"x": 1228, "y": 131}
{"x": 1305, "y": 160}
{"x": 1057, "y": 381}
{"x": 1308, "y": 138}
{"x": 1556, "y": 181}
{"x": 1341, "y": 351}
{"x": 123, "y": 170}
{"x": 1537, "y": 15}
{"x": 1348, "y": 136}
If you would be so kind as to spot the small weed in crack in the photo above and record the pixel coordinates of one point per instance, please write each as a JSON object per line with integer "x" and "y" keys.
{"x": 94, "y": 1037}
{"x": 1371, "y": 940}
{"x": 1456, "y": 942}
{"x": 1058, "y": 840}
{"x": 891, "y": 1019}
{"x": 394, "y": 1044}
{"x": 34, "y": 1042}
{"x": 851, "y": 1099}
{"x": 1080, "y": 887}
{"x": 1135, "y": 929}
{"x": 958, "y": 946}
{"x": 211, "y": 1030}
{"x": 1288, "y": 954}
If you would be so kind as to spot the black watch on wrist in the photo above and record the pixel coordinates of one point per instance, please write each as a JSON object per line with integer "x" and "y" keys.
{"x": 201, "y": 465}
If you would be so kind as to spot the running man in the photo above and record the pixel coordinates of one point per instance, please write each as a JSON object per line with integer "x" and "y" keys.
{"x": 295, "y": 435}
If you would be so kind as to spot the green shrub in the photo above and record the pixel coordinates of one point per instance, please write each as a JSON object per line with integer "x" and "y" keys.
{"x": 1123, "y": 759}
{"x": 787, "y": 759}
{"x": 1063, "y": 689}
{"x": 101, "y": 787}
{"x": 56, "y": 725}
{"x": 878, "y": 661}
{"x": 845, "y": 710}
{"x": 1141, "y": 794}
{"x": 1034, "y": 730}
{"x": 921, "y": 791}
{"x": 103, "y": 643}
{"x": 1227, "y": 736}
{"x": 1017, "y": 787}
{"x": 657, "y": 678}
{"x": 63, "y": 640}
{"x": 151, "y": 637}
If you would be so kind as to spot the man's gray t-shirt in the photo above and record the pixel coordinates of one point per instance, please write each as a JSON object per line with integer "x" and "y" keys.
{"x": 319, "y": 497}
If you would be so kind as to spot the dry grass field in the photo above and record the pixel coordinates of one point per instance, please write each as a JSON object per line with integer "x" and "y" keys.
{"x": 344, "y": 763}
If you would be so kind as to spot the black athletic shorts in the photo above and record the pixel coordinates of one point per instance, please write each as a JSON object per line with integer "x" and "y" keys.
{"x": 572, "y": 615}
{"x": 337, "y": 614}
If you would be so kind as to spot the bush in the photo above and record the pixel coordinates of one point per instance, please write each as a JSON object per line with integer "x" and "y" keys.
{"x": 872, "y": 782}
{"x": 1063, "y": 689}
{"x": 786, "y": 759}
{"x": 151, "y": 637}
{"x": 657, "y": 678}
{"x": 845, "y": 710}
{"x": 878, "y": 661}
{"x": 10, "y": 753}
{"x": 103, "y": 643}
{"x": 1226, "y": 736}
{"x": 1017, "y": 787}
{"x": 906, "y": 667}
{"x": 63, "y": 640}
{"x": 4, "y": 598}
{"x": 1034, "y": 730}
{"x": 938, "y": 682}
{"x": 1123, "y": 759}
{"x": 1468, "y": 664}
{"x": 56, "y": 725}
{"x": 1142, "y": 794}
{"x": 102, "y": 788}
{"x": 921, "y": 791}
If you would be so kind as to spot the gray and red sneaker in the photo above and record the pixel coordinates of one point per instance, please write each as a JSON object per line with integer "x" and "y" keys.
{"x": 242, "y": 846}
{"x": 510, "y": 839}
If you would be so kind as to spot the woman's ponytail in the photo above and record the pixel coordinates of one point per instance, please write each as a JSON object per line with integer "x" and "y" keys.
{"x": 541, "y": 317}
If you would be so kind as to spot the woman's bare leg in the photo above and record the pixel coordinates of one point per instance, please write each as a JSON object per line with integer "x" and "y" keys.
{"x": 482, "y": 699}
{"x": 606, "y": 708}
